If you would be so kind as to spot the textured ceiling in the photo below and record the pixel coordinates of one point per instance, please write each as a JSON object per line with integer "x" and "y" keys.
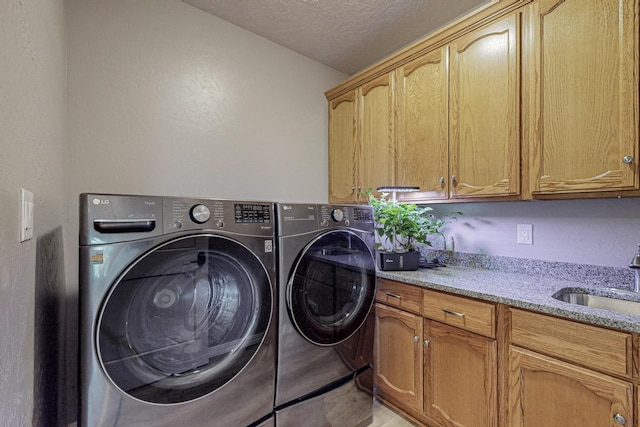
{"x": 347, "y": 35}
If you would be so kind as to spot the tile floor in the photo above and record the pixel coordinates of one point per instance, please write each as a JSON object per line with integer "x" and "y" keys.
{"x": 385, "y": 417}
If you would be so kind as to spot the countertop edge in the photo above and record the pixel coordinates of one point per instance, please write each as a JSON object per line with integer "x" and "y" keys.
{"x": 516, "y": 290}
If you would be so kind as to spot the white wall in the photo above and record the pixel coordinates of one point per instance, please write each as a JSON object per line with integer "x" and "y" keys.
{"x": 32, "y": 147}
{"x": 167, "y": 99}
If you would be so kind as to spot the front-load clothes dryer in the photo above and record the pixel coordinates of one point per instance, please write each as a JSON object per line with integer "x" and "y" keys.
{"x": 176, "y": 311}
{"x": 326, "y": 289}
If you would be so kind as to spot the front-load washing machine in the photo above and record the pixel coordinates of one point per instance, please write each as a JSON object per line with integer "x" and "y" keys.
{"x": 176, "y": 311}
{"x": 326, "y": 281}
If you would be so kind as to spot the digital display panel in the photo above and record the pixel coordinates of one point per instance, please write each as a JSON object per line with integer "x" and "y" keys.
{"x": 249, "y": 213}
{"x": 365, "y": 215}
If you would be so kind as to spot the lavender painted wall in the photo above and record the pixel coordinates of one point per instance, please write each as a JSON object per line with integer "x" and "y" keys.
{"x": 601, "y": 232}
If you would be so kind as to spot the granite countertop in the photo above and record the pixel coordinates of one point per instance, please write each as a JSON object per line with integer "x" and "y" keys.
{"x": 528, "y": 291}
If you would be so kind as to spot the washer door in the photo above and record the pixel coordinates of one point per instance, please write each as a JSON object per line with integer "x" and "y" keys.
{"x": 184, "y": 319}
{"x": 331, "y": 289}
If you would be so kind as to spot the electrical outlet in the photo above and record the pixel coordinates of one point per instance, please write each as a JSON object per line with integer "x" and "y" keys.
{"x": 525, "y": 234}
{"x": 448, "y": 243}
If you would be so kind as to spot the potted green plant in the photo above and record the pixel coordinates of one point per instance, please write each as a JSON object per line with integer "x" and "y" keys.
{"x": 399, "y": 228}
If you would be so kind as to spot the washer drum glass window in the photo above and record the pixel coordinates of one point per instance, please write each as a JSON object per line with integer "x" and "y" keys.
{"x": 184, "y": 319}
{"x": 331, "y": 289}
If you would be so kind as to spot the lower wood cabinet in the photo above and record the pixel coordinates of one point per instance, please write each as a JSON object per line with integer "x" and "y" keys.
{"x": 398, "y": 357}
{"x": 446, "y": 360}
{"x": 439, "y": 374}
{"x": 460, "y": 381}
{"x": 547, "y": 392}
{"x": 563, "y": 372}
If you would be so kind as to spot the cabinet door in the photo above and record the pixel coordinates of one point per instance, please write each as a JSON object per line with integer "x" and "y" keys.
{"x": 484, "y": 115}
{"x": 398, "y": 356}
{"x": 546, "y": 392}
{"x": 586, "y": 54}
{"x": 376, "y": 156}
{"x": 343, "y": 153}
{"x": 461, "y": 377}
{"x": 422, "y": 142}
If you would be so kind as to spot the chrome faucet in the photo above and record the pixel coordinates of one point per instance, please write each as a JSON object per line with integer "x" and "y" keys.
{"x": 635, "y": 265}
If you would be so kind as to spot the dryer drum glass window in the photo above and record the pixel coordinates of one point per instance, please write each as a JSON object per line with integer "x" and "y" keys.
{"x": 331, "y": 289}
{"x": 184, "y": 320}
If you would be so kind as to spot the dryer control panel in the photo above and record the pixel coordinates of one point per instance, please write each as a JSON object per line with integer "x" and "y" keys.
{"x": 347, "y": 216}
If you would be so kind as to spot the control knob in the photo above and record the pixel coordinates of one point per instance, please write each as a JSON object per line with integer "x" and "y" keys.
{"x": 337, "y": 215}
{"x": 200, "y": 214}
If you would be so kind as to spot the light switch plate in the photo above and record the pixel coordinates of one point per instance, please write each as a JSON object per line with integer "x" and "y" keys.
{"x": 26, "y": 215}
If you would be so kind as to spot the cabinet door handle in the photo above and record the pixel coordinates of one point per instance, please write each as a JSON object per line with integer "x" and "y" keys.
{"x": 426, "y": 343}
{"x": 416, "y": 338}
{"x": 389, "y": 294}
{"x": 627, "y": 160}
{"x": 454, "y": 313}
{"x": 442, "y": 181}
{"x": 619, "y": 418}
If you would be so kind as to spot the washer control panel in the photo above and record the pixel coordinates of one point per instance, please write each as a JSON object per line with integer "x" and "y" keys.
{"x": 186, "y": 214}
{"x": 194, "y": 214}
{"x": 332, "y": 216}
{"x": 108, "y": 218}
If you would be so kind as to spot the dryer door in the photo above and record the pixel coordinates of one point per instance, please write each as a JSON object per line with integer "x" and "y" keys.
{"x": 184, "y": 319}
{"x": 331, "y": 288}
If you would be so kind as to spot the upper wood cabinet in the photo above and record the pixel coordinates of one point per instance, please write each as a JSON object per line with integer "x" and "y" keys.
{"x": 523, "y": 99}
{"x": 458, "y": 109}
{"x": 584, "y": 96}
{"x": 484, "y": 111}
{"x": 376, "y": 159}
{"x": 361, "y": 141}
{"x": 343, "y": 148}
{"x": 422, "y": 143}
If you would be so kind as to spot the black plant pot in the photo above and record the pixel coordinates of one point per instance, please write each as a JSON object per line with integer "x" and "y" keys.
{"x": 399, "y": 261}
